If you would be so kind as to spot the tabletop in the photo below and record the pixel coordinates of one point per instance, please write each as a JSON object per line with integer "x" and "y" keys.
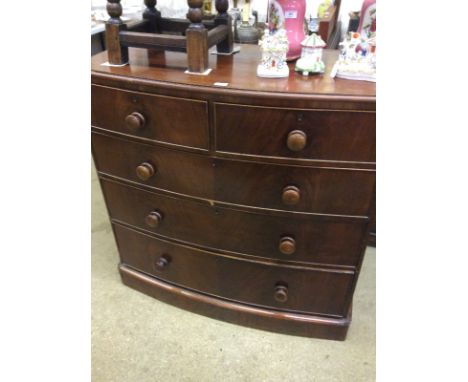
{"x": 238, "y": 71}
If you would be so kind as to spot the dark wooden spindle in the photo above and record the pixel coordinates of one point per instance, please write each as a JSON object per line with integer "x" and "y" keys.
{"x": 152, "y": 15}
{"x": 197, "y": 38}
{"x": 114, "y": 10}
{"x": 223, "y": 18}
{"x": 117, "y": 54}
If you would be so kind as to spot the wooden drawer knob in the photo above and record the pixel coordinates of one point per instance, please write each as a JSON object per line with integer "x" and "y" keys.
{"x": 291, "y": 195}
{"x": 145, "y": 171}
{"x": 297, "y": 140}
{"x": 281, "y": 293}
{"x": 153, "y": 219}
{"x": 287, "y": 245}
{"x": 135, "y": 121}
{"x": 162, "y": 262}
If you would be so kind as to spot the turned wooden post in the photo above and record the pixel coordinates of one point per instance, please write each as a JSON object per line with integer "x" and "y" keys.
{"x": 152, "y": 15}
{"x": 116, "y": 54}
{"x": 197, "y": 38}
{"x": 223, "y": 18}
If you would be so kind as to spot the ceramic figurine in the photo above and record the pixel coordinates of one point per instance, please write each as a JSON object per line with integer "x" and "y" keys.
{"x": 288, "y": 14}
{"x": 274, "y": 47}
{"x": 357, "y": 59}
{"x": 311, "y": 57}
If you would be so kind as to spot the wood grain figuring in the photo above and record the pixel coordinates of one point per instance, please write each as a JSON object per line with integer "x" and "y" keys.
{"x": 197, "y": 38}
{"x": 117, "y": 54}
{"x": 309, "y": 290}
{"x": 306, "y": 325}
{"x": 313, "y": 134}
{"x": 165, "y": 70}
{"x": 249, "y": 203}
{"x": 166, "y": 119}
{"x": 322, "y": 190}
{"x": 311, "y": 239}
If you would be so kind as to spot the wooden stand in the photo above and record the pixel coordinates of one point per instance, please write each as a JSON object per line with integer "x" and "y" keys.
{"x": 193, "y": 36}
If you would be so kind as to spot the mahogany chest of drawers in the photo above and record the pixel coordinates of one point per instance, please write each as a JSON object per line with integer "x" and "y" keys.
{"x": 247, "y": 202}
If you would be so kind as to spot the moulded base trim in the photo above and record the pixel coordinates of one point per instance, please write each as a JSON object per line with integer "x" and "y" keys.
{"x": 236, "y": 313}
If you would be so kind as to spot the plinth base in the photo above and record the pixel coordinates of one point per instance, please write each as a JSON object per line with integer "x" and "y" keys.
{"x": 237, "y": 313}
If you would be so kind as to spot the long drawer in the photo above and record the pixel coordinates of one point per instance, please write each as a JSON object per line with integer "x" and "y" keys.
{"x": 282, "y": 187}
{"x": 300, "y": 238}
{"x": 282, "y": 288}
{"x": 293, "y": 133}
{"x": 159, "y": 118}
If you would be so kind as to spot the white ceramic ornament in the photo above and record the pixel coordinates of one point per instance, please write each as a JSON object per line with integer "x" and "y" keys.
{"x": 274, "y": 48}
{"x": 357, "y": 60}
{"x": 311, "y": 56}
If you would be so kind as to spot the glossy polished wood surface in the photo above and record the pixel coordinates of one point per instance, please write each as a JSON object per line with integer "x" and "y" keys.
{"x": 247, "y": 201}
{"x": 162, "y": 119}
{"x": 307, "y": 325}
{"x": 310, "y": 239}
{"x": 322, "y": 190}
{"x": 135, "y": 121}
{"x": 239, "y": 72}
{"x": 312, "y": 134}
{"x": 226, "y": 277}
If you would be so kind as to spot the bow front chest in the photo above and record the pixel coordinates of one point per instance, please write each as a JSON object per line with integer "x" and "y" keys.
{"x": 240, "y": 198}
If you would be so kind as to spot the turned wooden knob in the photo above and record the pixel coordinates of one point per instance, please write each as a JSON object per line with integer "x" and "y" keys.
{"x": 162, "y": 262}
{"x": 291, "y": 195}
{"x": 287, "y": 245}
{"x": 281, "y": 293}
{"x": 195, "y": 13}
{"x": 297, "y": 140}
{"x": 153, "y": 219}
{"x": 114, "y": 9}
{"x": 145, "y": 171}
{"x": 135, "y": 121}
{"x": 222, "y": 6}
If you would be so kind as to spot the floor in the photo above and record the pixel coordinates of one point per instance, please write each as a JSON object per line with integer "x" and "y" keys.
{"x": 138, "y": 339}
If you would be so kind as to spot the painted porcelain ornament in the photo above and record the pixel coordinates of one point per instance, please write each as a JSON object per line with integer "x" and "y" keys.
{"x": 274, "y": 47}
{"x": 357, "y": 59}
{"x": 311, "y": 57}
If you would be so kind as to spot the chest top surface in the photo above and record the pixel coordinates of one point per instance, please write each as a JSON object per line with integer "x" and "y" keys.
{"x": 238, "y": 71}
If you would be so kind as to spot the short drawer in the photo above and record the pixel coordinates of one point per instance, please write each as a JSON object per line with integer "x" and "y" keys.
{"x": 293, "y": 133}
{"x": 165, "y": 119}
{"x": 298, "y": 238}
{"x": 162, "y": 168}
{"x": 269, "y": 186}
{"x": 258, "y": 283}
